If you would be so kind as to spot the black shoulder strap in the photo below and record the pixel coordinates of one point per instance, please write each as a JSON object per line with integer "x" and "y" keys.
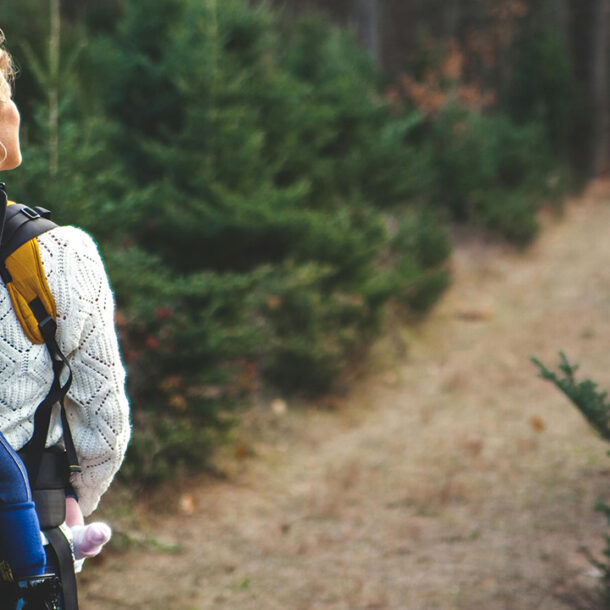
{"x": 3, "y": 204}
{"x": 56, "y": 395}
{"x": 65, "y": 567}
{"x": 22, "y": 223}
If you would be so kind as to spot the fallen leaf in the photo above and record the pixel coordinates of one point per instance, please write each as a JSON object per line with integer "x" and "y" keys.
{"x": 537, "y": 424}
{"x": 241, "y": 451}
{"x": 188, "y": 506}
{"x": 473, "y": 314}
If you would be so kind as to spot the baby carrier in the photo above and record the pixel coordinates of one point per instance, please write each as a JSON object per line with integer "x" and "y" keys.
{"x": 48, "y": 469}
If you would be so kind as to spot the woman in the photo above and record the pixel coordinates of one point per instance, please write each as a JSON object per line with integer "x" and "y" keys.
{"x": 97, "y": 406}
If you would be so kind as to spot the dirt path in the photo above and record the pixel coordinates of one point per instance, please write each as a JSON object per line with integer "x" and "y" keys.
{"x": 456, "y": 479}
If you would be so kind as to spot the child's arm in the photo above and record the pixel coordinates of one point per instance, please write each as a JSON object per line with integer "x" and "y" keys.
{"x": 74, "y": 515}
{"x": 88, "y": 540}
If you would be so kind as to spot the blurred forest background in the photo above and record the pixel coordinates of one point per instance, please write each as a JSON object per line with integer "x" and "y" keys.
{"x": 265, "y": 180}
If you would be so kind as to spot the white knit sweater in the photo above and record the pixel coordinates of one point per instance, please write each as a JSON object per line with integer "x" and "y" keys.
{"x": 97, "y": 406}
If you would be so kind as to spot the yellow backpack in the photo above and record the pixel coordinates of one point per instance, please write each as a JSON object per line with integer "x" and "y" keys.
{"x": 21, "y": 267}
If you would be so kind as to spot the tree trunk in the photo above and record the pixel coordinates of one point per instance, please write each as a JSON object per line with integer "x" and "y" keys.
{"x": 367, "y": 17}
{"x": 54, "y": 54}
{"x": 562, "y": 17}
{"x": 589, "y": 41}
{"x": 601, "y": 99}
{"x": 452, "y": 19}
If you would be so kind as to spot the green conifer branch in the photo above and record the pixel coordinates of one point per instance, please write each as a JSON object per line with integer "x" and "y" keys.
{"x": 594, "y": 406}
{"x": 590, "y": 402}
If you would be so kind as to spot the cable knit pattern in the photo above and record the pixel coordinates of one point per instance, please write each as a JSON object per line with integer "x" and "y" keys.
{"x": 97, "y": 406}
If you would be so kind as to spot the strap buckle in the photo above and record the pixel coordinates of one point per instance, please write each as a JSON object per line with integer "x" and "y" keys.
{"x": 30, "y": 213}
{"x": 47, "y": 325}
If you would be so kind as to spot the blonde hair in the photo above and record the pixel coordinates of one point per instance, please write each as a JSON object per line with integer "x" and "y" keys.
{"x": 7, "y": 71}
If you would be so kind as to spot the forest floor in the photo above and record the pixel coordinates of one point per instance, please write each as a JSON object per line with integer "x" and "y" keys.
{"x": 449, "y": 476}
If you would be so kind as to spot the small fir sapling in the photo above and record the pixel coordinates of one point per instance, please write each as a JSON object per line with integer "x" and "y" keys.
{"x": 595, "y": 407}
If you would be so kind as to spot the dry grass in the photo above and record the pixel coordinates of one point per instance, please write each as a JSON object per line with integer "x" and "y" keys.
{"x": 453, "y": 478}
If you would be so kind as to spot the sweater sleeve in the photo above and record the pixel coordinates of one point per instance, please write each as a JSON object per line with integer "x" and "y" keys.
{"x": 97, "y": 406}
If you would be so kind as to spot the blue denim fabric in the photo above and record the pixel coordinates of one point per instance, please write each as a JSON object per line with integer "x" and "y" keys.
{"x": 20, "y": 542}
{"x": 14, "y": 484}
